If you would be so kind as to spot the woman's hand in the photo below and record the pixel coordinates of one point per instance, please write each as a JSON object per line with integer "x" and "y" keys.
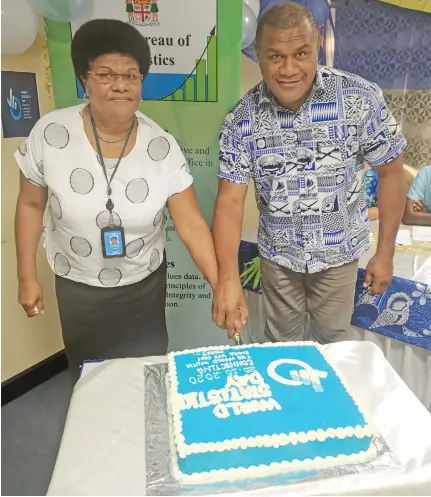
{"x": 30, "y": 207}
{"x": 30, "y": 297}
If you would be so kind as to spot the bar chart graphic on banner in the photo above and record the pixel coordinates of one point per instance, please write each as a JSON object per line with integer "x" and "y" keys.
{"x": 201, "y": 84}
{"x": 182, "y": 36}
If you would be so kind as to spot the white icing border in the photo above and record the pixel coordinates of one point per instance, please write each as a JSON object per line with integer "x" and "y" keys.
{"x": 261, "y": 441}
{"x": 262, "y": 470}
{"x": 365, "y": 414}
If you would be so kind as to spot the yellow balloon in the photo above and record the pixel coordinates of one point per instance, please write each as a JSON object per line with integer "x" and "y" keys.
{"x": 422, "y": 5}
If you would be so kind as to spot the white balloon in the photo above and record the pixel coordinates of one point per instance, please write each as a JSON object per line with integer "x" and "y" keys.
{"x": 249, "y": 26}
{"x": 254, "y": 6}
{"x": 19, "y": 27}
{"x": 63, "y": 10}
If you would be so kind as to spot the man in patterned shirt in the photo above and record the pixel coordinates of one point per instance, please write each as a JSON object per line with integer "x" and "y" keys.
{"x": 304, "y": 135}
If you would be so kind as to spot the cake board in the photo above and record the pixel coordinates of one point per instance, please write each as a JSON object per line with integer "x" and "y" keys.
{"x": 161, "y": 480}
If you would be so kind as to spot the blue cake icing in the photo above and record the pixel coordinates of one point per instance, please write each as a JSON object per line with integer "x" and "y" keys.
{"x": 261, "y": 409}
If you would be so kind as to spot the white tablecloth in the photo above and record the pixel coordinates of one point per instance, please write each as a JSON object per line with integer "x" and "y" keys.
{"x": 103, "y": 446}
{"x": 412, "y": 363}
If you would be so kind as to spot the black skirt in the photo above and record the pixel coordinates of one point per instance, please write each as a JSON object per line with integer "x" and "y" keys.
{"x": 110, "y": 323}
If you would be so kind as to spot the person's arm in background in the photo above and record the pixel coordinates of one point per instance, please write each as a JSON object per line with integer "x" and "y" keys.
{"x": 194, "y": 232}
{"x": 229, "y": 308}
{"x": 373, "y": 213}
{"x": 416, "y": 211}
{"x": 30, "y": 208}
{"x": 381, "y": 132}
{"x": 416, "y": 217}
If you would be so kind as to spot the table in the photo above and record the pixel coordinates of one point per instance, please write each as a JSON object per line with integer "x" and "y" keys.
{"x": 103, "y": 447}
{"x": 410, "y": 356}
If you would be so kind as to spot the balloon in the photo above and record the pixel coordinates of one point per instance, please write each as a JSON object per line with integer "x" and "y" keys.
{"x": 19, "y": 27}
{"x": 249, "y": 26}
{"x": 63, "y": 10}
{"x": 254, "y": 6}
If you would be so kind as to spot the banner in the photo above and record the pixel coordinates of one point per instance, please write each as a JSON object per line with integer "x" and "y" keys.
{"x": 194, "y": 80}
{"x": 20, "y": 103}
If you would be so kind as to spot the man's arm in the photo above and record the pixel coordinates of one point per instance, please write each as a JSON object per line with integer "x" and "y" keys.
{"x": 379, "y": 271}
{"x": 229, "y": 309}
{"x": 227, "y": 228}
{"x": 392, "y": 193}
{"x": 382, "y": 144}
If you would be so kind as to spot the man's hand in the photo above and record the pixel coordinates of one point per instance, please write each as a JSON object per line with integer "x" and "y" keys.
{"x": 379, "y": 273}
{"x": 30, "y": 297}
{"x": 420, "y": 206}
{"x": 229, "y": 309}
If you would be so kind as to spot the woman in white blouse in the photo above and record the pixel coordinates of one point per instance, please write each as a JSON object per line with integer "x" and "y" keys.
{"x": 105, "y": 172}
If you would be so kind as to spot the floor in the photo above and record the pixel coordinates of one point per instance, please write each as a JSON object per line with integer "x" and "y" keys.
{"x": 31, "y": 429}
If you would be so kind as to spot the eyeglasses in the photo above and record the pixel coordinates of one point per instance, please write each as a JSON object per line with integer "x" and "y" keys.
{"x": 108, "y": 78}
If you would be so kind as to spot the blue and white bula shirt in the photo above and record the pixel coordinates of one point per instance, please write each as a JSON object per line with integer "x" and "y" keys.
{"x": 308, "y": 167}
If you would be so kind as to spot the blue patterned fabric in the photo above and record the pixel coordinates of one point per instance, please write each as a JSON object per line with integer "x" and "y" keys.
{"x": 371, "y": 188}
{"x": 402, "y": 313}
{"x": 308, "y": 167}
{"x": 383, "y": 43}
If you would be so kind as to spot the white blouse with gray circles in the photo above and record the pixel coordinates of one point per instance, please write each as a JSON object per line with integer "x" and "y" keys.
{"x": 59, "y": 156}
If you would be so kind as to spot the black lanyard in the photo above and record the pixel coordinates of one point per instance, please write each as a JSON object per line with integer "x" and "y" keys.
{"x": 109, "y": 204}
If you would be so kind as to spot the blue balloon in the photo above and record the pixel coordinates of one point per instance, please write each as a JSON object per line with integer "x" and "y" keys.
{"x": 320, "y": 9}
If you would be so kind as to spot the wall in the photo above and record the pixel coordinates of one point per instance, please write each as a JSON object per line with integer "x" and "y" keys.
{"x": 25, "y": 342}
{"x": 391, "y": 47}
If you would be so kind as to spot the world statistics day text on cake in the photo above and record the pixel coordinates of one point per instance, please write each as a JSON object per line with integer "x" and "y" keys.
{"x": 264, "y": 404}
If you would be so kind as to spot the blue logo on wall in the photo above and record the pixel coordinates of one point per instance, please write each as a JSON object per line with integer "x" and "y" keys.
{"x": 15, "y": 106}
{"x": 20, "y": 109}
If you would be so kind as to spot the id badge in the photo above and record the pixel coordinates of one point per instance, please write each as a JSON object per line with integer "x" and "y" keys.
{"x": 113, "y": 243}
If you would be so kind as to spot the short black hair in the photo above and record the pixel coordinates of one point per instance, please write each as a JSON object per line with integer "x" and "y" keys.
{"x": 286, "y": 15}
{"x": 106, "y": 36}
